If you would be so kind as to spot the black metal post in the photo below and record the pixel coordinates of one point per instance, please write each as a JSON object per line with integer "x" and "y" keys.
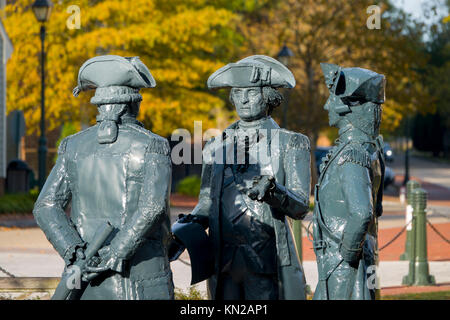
{"x": 42, "y": 139}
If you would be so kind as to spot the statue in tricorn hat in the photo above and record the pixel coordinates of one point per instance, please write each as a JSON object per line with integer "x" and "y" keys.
{"x": 116, "y": 176}
{"x": 349, "y": 191}
{"x": 255, "y": 176}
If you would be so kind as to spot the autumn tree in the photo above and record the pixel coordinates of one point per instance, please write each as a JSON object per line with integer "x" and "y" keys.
{"x": 181, "y": 41}
{"x": 337, "y": 32}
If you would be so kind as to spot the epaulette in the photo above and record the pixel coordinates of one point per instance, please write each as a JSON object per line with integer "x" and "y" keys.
{"x": 299, "y": 142}
{"x": 159, "y": 145}
{"x": 355, "y": 154}
{"x": 62, "y": 146}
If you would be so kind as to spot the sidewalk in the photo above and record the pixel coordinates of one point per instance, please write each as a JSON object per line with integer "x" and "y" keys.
{"x": 25, "y": 251}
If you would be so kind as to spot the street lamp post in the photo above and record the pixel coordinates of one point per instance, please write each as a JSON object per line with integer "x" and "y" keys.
{"x": 284, "y": 56}
{"x": 42, "y": 10}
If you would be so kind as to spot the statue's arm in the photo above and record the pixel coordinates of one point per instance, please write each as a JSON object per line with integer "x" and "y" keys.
{"x": 357, "y": 192}
{"x": 292, "y": 199}
{"x": 49, "y": 210}
{"x": 153, "y": 205}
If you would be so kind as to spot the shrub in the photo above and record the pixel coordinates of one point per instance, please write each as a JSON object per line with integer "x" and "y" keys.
{"x": 18, "y": 202}
{"x": 189, "y": 186}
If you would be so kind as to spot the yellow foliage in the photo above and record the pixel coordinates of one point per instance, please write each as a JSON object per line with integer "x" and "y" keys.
{"x": 182, "y": 43}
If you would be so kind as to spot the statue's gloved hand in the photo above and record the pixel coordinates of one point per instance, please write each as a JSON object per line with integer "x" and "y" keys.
{"x": 107, "y": 260}
{"x": 74, "y": 253}
{"x": 261, "y": 187}
{"x": 350, "y": 255}
{"x": 175, "y": 249}
{"x": 93, "y": 262}
{"x": 187, "y": 218}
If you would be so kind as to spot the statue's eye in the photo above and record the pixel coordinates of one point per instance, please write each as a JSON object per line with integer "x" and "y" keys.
{"x": 353, "y": 100}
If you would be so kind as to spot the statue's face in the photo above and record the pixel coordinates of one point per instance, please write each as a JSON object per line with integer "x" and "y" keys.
{"x": 366, "y": 117}
{"x": 249, "y": 103}
{"x": 333, "y": 117}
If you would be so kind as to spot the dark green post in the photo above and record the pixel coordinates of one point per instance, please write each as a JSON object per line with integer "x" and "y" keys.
{"x": 42, "y": 151}
{"x": 422, "y": 275}
{"x": 410, "y": 187}
{"x": 42, "y": 10}
{"x": 418, "y": 263}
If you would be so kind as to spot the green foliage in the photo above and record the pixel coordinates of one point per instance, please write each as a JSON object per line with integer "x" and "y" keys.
{"x": 189, "y": 186}
{"x": 18, "y": 202}
{"x": 192, "y": 294}
{"x": 181, "y": 41}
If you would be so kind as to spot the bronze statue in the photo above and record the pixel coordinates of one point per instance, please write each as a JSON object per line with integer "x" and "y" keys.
{"x": 114, "y": 173}
{"x": 254, "y": 176}
{"x": 349, "y": 191}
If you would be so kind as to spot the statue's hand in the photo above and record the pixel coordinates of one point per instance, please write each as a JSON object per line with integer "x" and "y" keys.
{"x": 351, "y": 256}
{"x": 107, "y": 260}
{"x": 261, "y": 187}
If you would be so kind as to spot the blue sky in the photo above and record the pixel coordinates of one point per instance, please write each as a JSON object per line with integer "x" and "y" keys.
{"x": 415, "y": 8}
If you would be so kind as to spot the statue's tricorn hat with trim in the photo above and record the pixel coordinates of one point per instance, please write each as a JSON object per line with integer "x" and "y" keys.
{"x": 253, "y": 71}
{"x": 114, "y": 71}
{"x": 355, "y": 83}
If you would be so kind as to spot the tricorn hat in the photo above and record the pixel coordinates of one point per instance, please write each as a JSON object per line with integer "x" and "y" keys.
{"x": 253, "y": 71}
{"x": 112, "y": 70}
{"x": 354, "y": 83}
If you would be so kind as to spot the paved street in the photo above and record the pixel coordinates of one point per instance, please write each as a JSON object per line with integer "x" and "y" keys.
{"x": 424, "y": 169}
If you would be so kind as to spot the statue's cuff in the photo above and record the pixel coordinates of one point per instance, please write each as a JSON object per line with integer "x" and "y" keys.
{"x": 349, "y": 254}
{"x": 69, "y": 255}
{"x": 276, "y": 195}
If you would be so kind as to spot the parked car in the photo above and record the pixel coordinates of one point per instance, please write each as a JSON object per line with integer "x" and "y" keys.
{"x": 388, "y": 153}
{"x": 389, "y": 177}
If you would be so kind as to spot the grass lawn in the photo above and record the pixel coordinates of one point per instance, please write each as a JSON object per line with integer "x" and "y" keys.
{"x": 439, "y": 295}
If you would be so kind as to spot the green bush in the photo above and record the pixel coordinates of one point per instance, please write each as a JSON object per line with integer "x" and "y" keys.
{"x": 192, "y": 294}
{"x": 18, "y": 202}
{"x": 189, "y": 186}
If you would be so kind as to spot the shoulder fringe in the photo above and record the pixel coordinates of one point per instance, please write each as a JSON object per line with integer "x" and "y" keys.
{"x": 159, "y": 145}
{"x": 62, "y": 146}
{"x": 355, "y": 155}
{"x": 299, "y": 142}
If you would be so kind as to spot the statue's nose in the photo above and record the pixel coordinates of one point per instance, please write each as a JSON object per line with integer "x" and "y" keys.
{"x": 244, "y": 97}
